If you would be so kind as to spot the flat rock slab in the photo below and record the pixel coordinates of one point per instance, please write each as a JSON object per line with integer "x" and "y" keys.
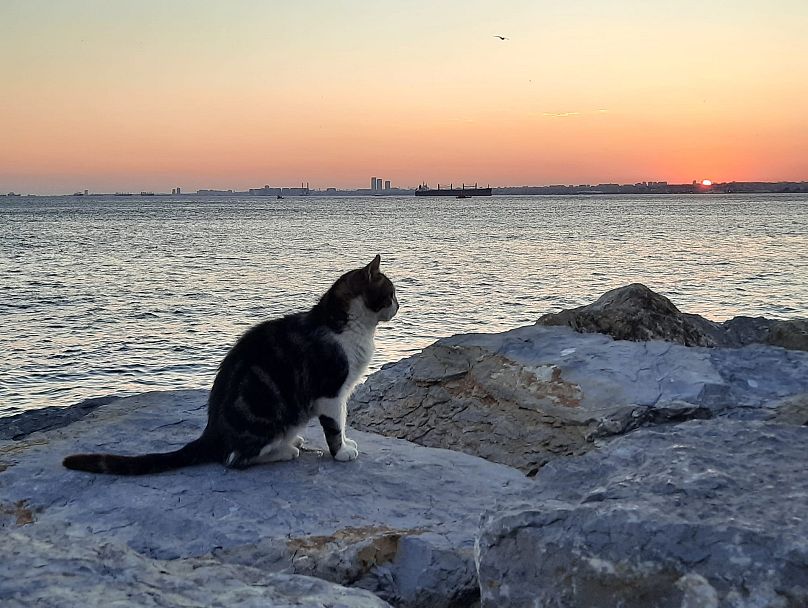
{"x": 41, "y": 572}
{"x": 530, "y": 395}
{"x": 400, "y": 521}
{"x": 706, "y": 514}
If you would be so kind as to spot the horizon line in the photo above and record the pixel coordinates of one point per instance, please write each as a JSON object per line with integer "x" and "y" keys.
{"x": 648, "y": 184}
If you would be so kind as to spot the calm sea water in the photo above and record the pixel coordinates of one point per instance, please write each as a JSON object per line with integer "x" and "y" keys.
{"x": 125, "y": 295}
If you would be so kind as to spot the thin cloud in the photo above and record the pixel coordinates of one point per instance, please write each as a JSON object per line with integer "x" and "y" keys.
{"x": 568, "y": 114}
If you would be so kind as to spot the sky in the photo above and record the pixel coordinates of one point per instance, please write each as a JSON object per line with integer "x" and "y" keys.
{"x": 151, "y": 95}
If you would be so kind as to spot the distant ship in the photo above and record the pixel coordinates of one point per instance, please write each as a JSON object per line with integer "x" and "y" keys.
{"x": 462, "y": 192}
{"x": 147, "y": 194}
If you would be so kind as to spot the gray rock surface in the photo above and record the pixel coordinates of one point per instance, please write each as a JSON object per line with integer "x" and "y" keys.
{"x": 707, "y": 514}
{"x": 530, "y": 395}
{"x": 400, "y": 521}
{"x": 790, "y": 410}
{"x": 634, "y": 312}
{"x": 46, "y": 418}
{"x": 51, "y": 573}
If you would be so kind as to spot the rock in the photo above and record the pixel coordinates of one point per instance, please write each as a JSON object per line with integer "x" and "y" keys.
{"x": 530, "y": 395}
{"x": 792, "y": 333}
{"x": 634, "y": 312}
{"x": 46, "y": 418}
{"x": 704, "y": 514}
{"x": 790, "y": 410}
{"x": 41, "y": 572}
{"x": 400, "y": 521}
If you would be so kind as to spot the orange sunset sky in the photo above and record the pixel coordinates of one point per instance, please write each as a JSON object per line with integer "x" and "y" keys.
{"x": 150, "y": 95}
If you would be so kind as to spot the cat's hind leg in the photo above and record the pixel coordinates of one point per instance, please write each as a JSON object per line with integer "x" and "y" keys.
{"x": 294, "y": 438}
{"x": 285, "y": 448}
{"x": 276, "y": 452}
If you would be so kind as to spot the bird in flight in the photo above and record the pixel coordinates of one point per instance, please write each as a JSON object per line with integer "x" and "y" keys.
{"x": 500, "y": 37}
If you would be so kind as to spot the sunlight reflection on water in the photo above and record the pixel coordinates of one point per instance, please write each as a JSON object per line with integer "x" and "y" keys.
{"x": 101, "y": 296}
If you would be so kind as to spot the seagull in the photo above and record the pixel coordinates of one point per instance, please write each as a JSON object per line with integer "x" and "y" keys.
{"x": 500, "y": 37}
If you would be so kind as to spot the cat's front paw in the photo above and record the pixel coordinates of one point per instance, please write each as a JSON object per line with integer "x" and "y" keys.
{"x": 347, "y": 451}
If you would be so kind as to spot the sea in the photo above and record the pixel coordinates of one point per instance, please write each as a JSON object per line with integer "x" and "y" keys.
{"x": 121, "y": 295}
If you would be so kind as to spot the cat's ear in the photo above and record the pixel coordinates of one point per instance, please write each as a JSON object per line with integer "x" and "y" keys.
{"x": 373, "y": 267}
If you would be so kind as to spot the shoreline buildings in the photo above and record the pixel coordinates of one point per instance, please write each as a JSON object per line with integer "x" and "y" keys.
{"x": 376, "y": 184}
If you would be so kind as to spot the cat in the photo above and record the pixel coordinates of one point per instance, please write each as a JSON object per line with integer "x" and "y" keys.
{"x": 278, "y": 376}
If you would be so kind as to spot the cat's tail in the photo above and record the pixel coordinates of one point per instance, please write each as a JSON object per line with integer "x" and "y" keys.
{"x": 198, "y": 451}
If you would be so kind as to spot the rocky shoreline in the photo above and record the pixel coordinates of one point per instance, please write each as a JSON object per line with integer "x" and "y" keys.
{"x": 620, "y": 454}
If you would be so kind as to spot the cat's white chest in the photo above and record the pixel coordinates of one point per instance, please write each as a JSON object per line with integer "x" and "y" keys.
{"x": 357, "y": 344}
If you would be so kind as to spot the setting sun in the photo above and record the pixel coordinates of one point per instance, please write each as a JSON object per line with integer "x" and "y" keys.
{"x": 706, "y": 182}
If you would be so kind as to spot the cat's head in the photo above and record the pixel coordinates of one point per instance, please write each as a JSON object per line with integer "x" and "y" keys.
{"x": 364, "y": 294}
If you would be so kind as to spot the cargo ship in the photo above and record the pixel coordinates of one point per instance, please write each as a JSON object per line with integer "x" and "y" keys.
{"x": 462, "y": 192}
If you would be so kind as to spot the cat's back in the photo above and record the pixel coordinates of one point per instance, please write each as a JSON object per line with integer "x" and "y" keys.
{"x": 294, "y": 350}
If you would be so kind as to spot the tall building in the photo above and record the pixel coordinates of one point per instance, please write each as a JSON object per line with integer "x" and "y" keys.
{"x": 179, "y": 190}
{"x": 387, "y": 184}
{"x": 373, "y": 182}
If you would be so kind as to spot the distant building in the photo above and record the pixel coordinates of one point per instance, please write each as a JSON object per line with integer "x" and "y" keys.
{"x": 373, "y": 181}
{"x": 387, "y": 184}
{"x": 216, "y": 192}
{"x": 265, "y": 191}
{"x": 179, "y": 190}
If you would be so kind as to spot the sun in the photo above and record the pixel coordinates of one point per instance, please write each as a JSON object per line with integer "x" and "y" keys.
{"x": 706, "y": 182}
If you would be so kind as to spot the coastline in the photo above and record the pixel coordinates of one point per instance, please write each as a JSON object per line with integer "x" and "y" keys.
{"x": 566, "y": 438}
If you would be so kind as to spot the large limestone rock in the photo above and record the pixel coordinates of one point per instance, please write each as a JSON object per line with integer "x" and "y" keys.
{"x": 400, "y": 521}
{"x": 634, "y": 312}
{"x": 68, "y": 573}
{"x": 530, "y": 395}
{"x": 706, "y": 514}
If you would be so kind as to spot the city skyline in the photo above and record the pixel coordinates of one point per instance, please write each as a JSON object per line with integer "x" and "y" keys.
{"x": 145, "y": 96}
{"x": 378, "y": 186}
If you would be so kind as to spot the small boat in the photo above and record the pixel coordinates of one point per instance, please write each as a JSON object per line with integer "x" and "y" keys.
{"x": 279, "y": 197}
{"x": 463, "y": 196}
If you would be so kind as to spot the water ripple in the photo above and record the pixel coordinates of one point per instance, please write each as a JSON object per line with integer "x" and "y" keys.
{"x": 103, "y": 296}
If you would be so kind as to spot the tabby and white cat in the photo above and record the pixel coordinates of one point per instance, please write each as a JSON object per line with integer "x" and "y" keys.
{"x": 279, "y": 375}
